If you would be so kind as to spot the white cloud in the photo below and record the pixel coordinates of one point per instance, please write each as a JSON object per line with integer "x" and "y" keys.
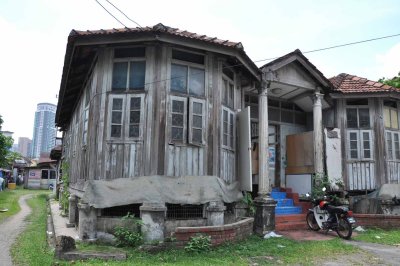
{"x": 389, "y": 62}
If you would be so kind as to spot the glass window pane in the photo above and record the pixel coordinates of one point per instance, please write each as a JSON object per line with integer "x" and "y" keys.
{"x": 178, "y": 106}
{"x": 197, "y": 135}
{"x": 135, "y": 103}
{"x": 115, "y": 131}
{"x": 134, "y": 117}
{"x": 177, "y": 133}
{"x": 197, "y": 121}
{"x": 129, "y": 52}
{"x": 225, "y": 116}
{"x": 231, "y": 95}
{"x": 353, "y": 136}
{"x": 364, "y": 117}
{"x": 117, "y": 104}
{"x": 120, "y": 72}
{"x": 137, "y": 75}
{"x": 116, "y": 117}
{"x": 394, "y": 118}
{"x": 225, "y": 92}
{"x": 45, "y": 174}
{"x": 367, "y": 154}
{"x": 189, "y": 57}
{"x": 353, "y": 154}
{"x": 133, "y": 131}
{"x": 386, "y": 116}
{"x": 351, "y": 114}
{"x": 287, "y": 116}
{"x": 353, "y": 144}
{"x": 177, "y": 120}
{"x": 197, "y": 108}
{"x": 274, "y": 114}
{"x": 178, "y": 78}
{"x": 225, "y": 140}
{"x": 197, "y": 80}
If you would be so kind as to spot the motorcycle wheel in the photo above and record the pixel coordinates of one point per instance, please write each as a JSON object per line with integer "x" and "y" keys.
{"x": 311, "y": 222}
{"x": 344, "y": 229}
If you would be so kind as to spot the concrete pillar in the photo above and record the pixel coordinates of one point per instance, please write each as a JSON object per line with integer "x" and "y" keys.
{"x": 265, "y": 206}
{"x": 87, "y": 229}
{"x": 71, "y": 210}
{"x": 215, "y": 213}
{"x": 153, "y": 218}
{"x": 318, "y": 134}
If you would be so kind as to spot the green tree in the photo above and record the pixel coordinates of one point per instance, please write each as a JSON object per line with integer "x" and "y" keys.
{"x": 5, "y": 146}
{"x": 394, "y": 82}
{"x": 12, "y": 156}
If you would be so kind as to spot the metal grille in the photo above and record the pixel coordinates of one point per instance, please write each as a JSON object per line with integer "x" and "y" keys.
{"x": 184, "y": 212}
{"x": 120, "y": 211}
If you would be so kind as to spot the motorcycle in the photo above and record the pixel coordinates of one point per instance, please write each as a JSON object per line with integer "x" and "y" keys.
{"x": 327, "y": 217}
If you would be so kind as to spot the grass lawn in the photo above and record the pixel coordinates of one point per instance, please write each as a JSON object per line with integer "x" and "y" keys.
{"x": 380, "y": 236}
{"x": 252, "y": 251}
{"x": 9, "y": 200}
{"x": 31, "y": 249}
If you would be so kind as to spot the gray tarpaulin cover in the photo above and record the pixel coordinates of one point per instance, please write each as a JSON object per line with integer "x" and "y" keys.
{"x": 175, "y": 190}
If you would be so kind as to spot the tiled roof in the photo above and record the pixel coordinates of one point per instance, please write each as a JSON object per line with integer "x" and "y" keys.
{"x": 159, "y": 28}
{"x": 346, "y": 83}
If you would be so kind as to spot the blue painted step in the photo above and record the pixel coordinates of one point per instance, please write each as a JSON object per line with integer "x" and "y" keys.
{"x": 278, "y": 195}
{"x": 288, "y": 210}
{"x": 276, "y": 189}
{"x": 284, "y": 202}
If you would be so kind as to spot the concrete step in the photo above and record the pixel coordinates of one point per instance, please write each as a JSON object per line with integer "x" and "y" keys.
{"x": 290, "y": 218}
{"x": 291, "y": 226}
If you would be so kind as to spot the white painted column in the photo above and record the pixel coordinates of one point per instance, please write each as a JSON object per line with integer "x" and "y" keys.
{"x": 263, "y": 171}
{"x": 318, "y": 134}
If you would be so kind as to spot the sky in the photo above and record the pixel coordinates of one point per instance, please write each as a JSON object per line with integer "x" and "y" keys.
{"x": 34, "y": 37}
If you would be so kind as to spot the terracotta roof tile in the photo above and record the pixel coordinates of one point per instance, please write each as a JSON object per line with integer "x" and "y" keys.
{"x": 158, "y": 28}
{"x": 346, "y": 83}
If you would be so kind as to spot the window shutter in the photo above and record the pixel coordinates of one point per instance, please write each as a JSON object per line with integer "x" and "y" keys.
{"x": 353, "y": 144}
{"x": 178, "y": 119}
{"x": 117, "y": 116}
{"x": 196, "y": 121}
{"x": 135, "y": 108}
{"x": 366, "y": 144}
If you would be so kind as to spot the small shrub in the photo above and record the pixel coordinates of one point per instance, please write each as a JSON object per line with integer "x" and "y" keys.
{"x": 248, "y": 200}
{"x": 127, "y": 237}
{"x": 199, "y": 243}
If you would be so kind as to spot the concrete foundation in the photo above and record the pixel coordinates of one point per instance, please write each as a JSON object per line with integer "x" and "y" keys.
{"x": 72, "y": 200}
{"x": 87, "y": 229}
{"x": 264, "y": 219}
{"x": 215, "y": 213}
{"x": 153, "y": 218}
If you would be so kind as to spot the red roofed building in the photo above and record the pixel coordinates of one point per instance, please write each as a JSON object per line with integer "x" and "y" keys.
{"x": 367, "y": 112}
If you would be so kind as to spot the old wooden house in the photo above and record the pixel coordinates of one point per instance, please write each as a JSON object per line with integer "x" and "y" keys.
{"x": 154, "y": 101}
{"x": 367, "y": 113}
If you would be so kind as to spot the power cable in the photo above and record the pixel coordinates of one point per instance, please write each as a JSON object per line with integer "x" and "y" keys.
{"x": 124, "y": 14}
{"x": 110, "y": 13}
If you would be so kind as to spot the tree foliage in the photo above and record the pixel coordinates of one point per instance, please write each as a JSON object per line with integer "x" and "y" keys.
{"x": 5, "y": 146}
{"x": 394, "y": 82}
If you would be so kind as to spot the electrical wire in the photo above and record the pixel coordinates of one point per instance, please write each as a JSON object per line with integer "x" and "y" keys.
{"x": 124, "y": 14}
{"x": 110, "y": 13}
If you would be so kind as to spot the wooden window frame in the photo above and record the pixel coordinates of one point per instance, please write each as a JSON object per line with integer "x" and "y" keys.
{"x": 203, "y": 116}
{"x": 360, "y": 145}
{"x": 231, "y": 139}
{"x": 226, "y": 100}
{"x": 358, "y": 107}
{"x": 185, "y": 117}
{"x": 129, "y": 60}
{"x": 391, "y": 153}
{"x": 126, "y": 99}
{"x": 391, "y": 109}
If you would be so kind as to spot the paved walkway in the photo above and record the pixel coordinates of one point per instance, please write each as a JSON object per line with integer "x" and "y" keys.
{"x": 10, "y": 228}
{"x": 60, "y": 222}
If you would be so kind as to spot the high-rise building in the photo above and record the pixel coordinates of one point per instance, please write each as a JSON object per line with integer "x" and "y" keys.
{"x": 24, "y": 146}
{"x": 44, "y": 129}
